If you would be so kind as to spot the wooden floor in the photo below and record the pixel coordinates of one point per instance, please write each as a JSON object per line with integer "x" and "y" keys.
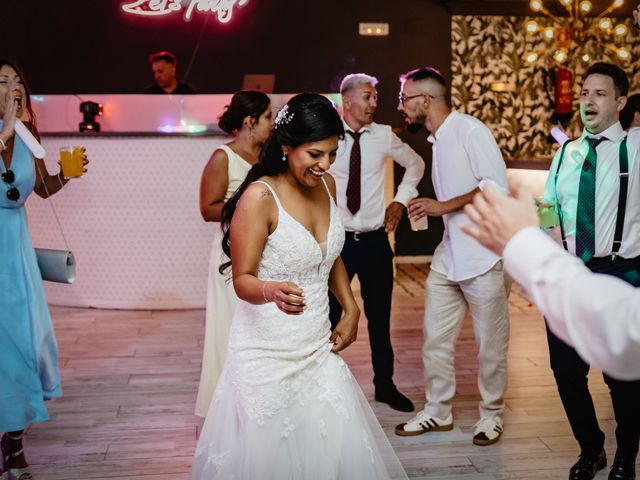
{"x": 130, "y": 380}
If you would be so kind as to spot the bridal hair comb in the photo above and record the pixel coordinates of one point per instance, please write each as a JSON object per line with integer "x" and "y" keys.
{"x": 284, "y": 116}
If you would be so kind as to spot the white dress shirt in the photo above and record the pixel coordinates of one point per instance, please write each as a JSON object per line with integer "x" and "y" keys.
{"x": 377, "y": 142}
{"x": 599, "y": 315}
{"x": 465, "y": 154}
{"x": 607, "y": 190}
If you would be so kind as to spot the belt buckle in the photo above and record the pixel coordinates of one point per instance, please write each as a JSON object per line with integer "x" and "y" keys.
{"x": 355, "y": 236}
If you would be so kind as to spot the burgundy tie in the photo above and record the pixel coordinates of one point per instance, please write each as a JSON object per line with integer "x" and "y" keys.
{"x": 353, "y": 184}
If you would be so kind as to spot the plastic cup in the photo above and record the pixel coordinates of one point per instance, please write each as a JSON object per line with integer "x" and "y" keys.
{"x": 419, "y": 224}
{"x": 71, "y": 161}
{"x": 547, "y": 213}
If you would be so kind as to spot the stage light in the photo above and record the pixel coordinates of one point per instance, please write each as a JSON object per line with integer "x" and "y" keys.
{"x": 89, "y": 111}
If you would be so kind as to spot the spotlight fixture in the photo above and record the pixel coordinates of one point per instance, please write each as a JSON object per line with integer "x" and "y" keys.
{"x": 89, "y": 111}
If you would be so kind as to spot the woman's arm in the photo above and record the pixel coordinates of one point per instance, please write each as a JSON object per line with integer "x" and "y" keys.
{"x": 346, "y": 330}
{"x": 213, "y": 186}
{"x": 47, "y": 185}
{"x": 254, "y": 219}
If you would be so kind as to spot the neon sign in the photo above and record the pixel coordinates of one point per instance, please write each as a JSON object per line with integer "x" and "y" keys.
{"x": 222, "y": 8}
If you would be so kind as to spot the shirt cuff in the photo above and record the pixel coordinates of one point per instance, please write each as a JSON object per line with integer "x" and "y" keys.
{"x": 404, "y": 197}
{"x": 526, "y": 253}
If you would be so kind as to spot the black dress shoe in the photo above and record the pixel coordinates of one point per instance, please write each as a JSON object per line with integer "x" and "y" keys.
{"x": 623, "y": 468}
{"x": 393, "y": 398}
{"x": 587, "y": 466}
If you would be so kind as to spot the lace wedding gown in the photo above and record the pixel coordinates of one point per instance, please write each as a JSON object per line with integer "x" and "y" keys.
{"x": 286, "y": 407}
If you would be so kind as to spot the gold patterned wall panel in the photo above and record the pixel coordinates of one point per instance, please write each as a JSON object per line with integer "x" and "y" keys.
{"x": 488, "y": 49}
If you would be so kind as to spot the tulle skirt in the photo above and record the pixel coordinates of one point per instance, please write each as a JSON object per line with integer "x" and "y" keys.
{"x": 327, "y": 430}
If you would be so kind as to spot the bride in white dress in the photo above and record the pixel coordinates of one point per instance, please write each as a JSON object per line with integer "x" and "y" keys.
{"x": 286, "y": 405}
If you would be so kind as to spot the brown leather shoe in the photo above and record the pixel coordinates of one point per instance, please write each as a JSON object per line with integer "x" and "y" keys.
{"x": 587, "y": 466}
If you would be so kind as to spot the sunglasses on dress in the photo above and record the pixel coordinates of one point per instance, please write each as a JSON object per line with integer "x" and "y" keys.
{"x": 13, "y": 193}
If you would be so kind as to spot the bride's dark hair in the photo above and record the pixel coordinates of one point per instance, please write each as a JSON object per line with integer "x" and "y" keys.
{"x": 309, "y": 117}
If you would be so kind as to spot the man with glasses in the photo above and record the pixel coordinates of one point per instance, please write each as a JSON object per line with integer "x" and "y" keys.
{"x": 463, "y": 272}
{"x": 359, "y": 171}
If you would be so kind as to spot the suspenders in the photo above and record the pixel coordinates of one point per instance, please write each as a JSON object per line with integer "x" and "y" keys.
{"x": 622, "y": 197}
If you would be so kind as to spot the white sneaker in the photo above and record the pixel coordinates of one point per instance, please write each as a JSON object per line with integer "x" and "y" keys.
{"x": 487, "y": 431}
{"x": 423, "y": 423}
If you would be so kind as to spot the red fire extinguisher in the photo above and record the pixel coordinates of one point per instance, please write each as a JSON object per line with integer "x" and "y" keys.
{"x": 563, "y": 91}
{"x": 562, "y": 84}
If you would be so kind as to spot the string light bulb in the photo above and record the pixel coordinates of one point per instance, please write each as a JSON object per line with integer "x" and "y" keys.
{"x": 531, "y": 26}
{"x": 536, "y": 5}
{"x": 531, "y": 57}
{"x": 605, "y": 23}
{"x": 623, "y": 53}
{"x": 620, "y": 30}
{"x": 560, "y": 56}
{"x": 585, "y": 6}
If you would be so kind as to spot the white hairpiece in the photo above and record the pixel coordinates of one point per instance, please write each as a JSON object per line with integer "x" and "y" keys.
{"x": 284, "y": 116}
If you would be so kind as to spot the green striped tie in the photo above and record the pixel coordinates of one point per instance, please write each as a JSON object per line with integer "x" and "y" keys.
{"x": 586, "y": 209}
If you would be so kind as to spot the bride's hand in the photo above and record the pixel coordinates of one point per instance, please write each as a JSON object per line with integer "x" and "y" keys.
{"x": 287, "y": 296}
{"x": 346, "y": 331}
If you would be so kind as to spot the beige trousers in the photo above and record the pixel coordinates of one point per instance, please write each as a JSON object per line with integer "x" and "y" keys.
{"x": 446, "y": 303}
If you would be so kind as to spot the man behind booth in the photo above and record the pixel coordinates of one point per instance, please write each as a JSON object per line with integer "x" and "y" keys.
{"x": 359, "y": 171}
{"x": 596, "y": 183}
{"x": 163, "y": 66}
{"x": 463, "y": 272}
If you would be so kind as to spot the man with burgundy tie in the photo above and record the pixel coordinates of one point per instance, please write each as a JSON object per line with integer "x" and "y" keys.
{"x": 463, "y": 273}
{"x": 595, "y": 181}
{"x": 359, "y": 172}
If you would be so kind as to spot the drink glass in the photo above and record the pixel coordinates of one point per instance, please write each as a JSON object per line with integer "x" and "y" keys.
{"x": 419, "y": 224}
{"x": 547, "y": 212}
{"x": 71, "y": 161}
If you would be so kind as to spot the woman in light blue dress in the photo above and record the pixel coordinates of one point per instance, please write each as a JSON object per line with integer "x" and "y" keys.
{"x": 28, "y": 353}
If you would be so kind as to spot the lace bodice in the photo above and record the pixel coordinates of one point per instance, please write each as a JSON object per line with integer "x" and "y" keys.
{"x": 293, "y": 254}
{"x": 257, "y": 352}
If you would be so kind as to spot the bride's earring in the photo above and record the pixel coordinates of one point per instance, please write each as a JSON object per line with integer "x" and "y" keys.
{"x": 284, "y": 157}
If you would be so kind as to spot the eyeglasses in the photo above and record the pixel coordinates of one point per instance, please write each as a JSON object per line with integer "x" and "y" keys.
{"x": 404, "y": 99}
{"x": 13, "y": 193}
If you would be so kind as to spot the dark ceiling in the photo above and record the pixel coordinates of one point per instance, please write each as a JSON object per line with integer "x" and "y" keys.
{"x": 521, "y": 7}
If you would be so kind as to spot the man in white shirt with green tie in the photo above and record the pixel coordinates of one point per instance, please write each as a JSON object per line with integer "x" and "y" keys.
{"x": 595, "y": 183}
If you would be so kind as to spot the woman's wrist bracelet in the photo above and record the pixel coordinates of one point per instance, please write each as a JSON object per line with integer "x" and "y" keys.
{"x": 264, "y": 292}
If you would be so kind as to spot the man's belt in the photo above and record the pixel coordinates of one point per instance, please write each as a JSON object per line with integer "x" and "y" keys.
{"x": 357, "y": 236}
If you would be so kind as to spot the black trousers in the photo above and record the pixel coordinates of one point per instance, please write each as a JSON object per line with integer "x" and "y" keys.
{"x": 570, "y": 372}
{"x": 369, "y": 256}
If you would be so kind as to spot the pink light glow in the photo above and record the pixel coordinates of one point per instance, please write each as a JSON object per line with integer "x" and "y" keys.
{"x": 222, "y": 8}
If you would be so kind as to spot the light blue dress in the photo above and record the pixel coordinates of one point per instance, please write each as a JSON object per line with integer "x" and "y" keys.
{"x": 28, "y": 351}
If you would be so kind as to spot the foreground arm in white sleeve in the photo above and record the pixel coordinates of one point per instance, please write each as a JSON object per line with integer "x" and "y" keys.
{"x": 599, "y": 315}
